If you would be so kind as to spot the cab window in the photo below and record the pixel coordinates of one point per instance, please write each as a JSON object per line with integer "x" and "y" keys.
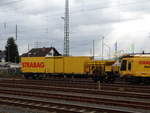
{"x": 124, "y": 65}
{"x": 129, "y": 66}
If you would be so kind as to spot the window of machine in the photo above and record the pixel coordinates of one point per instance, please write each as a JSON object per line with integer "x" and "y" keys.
{"x": 129, "y": 66}
{"x": 123, "y": 65}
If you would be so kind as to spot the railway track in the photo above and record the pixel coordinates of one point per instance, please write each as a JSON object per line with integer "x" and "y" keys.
{"x": 55, "y": 107}
{"x": 76, "y": 90}
{"x": 115, "y": 87}
{"x": 95, "y": 100}
{"x": 34, "y": 89}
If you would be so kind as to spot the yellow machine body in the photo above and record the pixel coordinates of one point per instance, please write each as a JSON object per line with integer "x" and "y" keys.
{"x": 105, "y": 65}
{"x": 138, "y": 66}
{"x": 54, "y": 65}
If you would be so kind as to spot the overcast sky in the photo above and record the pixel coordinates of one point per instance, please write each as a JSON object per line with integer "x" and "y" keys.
{"x": 40, "y": 24}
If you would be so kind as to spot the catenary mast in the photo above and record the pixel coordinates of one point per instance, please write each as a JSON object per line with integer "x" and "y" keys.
{"x": 66, "y": 29}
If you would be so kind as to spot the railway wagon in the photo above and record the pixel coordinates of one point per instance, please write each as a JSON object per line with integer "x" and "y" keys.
{"x": 136, "y": 68}
{"x": 101, "y": 70}
{"x": 39, "y": 67}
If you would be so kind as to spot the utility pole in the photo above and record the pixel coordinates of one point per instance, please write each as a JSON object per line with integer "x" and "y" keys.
{"x": 8, "y": 52}
{"x": 133, "y": 48}
{"x": 16, "y": 31}
{"x": 93, "y": 49}
{"x": 5, "y": 25}
{"x": 66, "y": 29}
{"x": 28, "y": 49}
{"x": 102, "y": 47}
{"x": 116, "y": 49}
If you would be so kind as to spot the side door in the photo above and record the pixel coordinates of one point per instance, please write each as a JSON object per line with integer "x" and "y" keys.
{"x": 129, "y": 67}
{"x": 123, "y": 68}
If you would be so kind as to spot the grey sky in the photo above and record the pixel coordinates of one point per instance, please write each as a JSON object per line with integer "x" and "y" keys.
{"x": 124, "y": 21}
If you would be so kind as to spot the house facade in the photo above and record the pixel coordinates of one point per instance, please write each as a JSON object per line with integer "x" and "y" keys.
{"x": 42, "y": 52}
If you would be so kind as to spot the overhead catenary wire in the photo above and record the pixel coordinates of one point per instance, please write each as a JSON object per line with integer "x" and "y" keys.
{"x": 99, "y": 8}
{"x": 117, "y": 4}
{"x": 8, "y": 3}
{"x": 96, "y": 10}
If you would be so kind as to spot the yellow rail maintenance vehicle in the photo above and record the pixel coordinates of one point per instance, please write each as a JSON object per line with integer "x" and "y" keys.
{"x": 136, "y": 68}
{"x": 101, "y": 70}
{"x": 116, "y": 68}
{"x": 41, "y": 67}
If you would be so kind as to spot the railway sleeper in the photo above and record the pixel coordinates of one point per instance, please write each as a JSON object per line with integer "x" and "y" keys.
{"x": 136, "y": 80}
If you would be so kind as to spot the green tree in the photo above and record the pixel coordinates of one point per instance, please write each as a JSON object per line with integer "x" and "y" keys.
{"x": 11, "y": 51}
